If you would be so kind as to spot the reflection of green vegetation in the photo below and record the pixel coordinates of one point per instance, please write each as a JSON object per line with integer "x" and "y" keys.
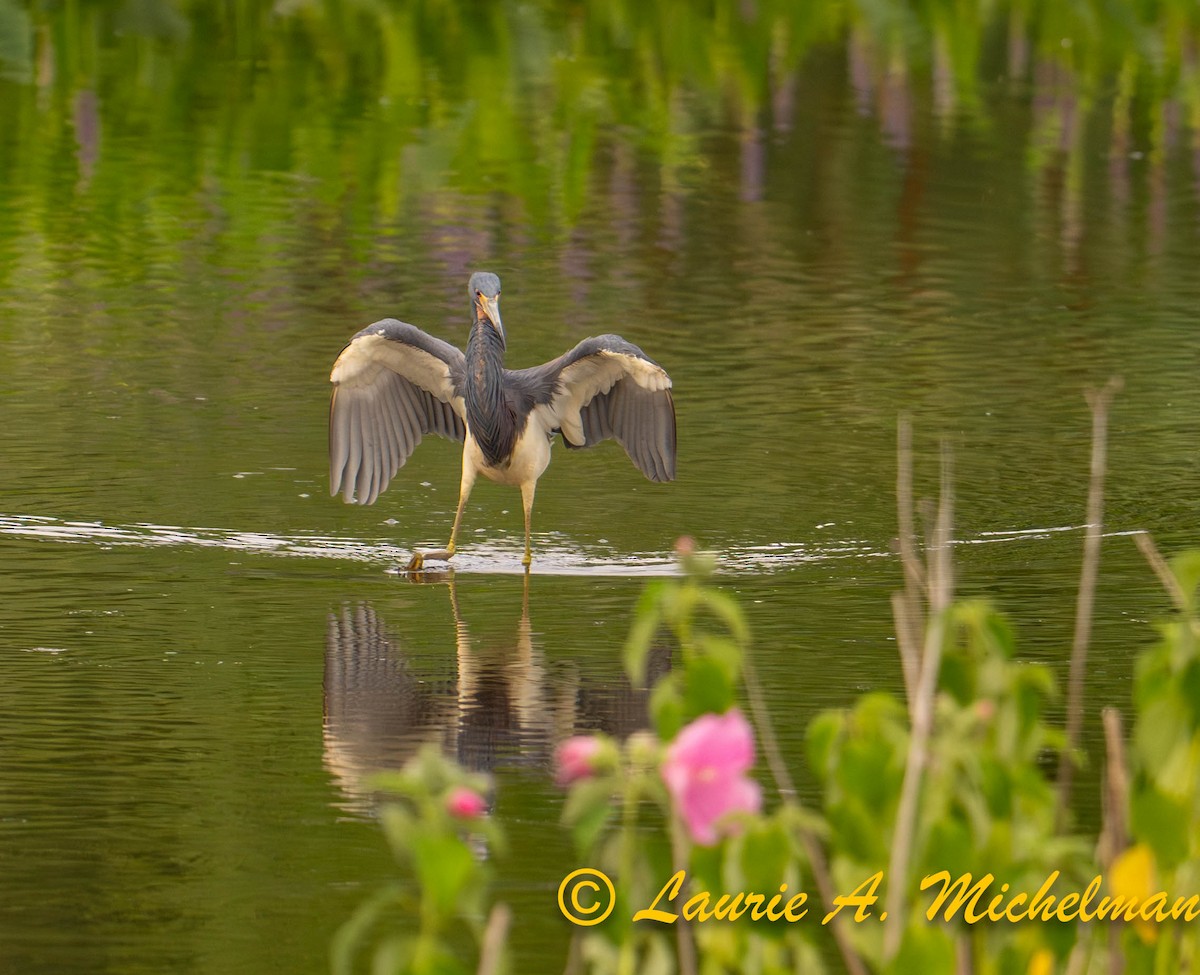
{"x": 414, "y": 95}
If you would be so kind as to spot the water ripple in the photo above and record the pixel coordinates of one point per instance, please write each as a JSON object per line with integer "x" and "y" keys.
{"x": 556, "y": 554}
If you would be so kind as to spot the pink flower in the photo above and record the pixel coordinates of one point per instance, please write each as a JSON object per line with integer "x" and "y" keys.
{"x": 575, "y": 758}
{"x": 464, "y": 803}
{"x": 705, "y": 772}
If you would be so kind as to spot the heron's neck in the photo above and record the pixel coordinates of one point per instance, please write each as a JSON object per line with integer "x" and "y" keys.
{"x": 488, "y": 416}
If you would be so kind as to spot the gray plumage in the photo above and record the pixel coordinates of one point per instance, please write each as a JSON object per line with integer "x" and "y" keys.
{"x": 640, "y": 420}
{"x": 377, "y": 418}
{"x": 395, "y": 383}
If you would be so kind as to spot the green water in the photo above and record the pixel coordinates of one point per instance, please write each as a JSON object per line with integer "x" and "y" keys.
{"x": 814, "y": 230}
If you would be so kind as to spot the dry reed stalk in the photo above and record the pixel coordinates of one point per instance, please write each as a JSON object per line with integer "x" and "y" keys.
{"x": 1099, "y": 401}
{"x": 940, "y": 589}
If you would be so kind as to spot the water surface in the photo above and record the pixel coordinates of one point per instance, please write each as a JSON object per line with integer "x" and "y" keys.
{"x": 201, "y": 653}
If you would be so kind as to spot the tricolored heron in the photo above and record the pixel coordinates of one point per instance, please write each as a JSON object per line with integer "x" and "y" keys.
{"x": 394, "y": 383}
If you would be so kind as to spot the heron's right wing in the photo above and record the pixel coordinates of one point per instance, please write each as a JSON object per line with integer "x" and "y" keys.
{"x": 607, "y": 388}
{"x": 392, "y": 384}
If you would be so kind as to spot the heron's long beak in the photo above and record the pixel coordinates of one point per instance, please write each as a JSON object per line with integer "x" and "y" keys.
{"x": 491, "y": 310}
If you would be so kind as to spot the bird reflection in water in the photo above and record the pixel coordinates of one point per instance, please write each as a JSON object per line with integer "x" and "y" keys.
{"x": 494, "y": 704}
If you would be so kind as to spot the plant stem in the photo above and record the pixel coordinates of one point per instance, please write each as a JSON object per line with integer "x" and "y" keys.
{"x": 941, "y": 588}
{"x": 685, "y": 946}
{"x": 1152, "y": 555}
{"x": 494, "y": 935}
{"x": 1099, "y": 401}
{"x": 628, "y": 957}
{"x": 1116, "y": 799}
{"x": 906, "y": 603}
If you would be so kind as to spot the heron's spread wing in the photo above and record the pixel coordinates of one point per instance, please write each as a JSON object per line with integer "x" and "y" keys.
{"x": 392, "y": 384}
{"x": 607, "y": 388}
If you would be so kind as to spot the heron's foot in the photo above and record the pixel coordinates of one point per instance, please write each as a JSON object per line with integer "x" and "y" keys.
{"x": 419, "y": 558}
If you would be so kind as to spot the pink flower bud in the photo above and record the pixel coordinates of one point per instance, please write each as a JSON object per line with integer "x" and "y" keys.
{"x": 575, "y": 758}
{"x": 464, "y": 803}
{"x": 685, "y": 545}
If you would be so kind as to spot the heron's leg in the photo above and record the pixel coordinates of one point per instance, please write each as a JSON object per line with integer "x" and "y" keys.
{"x": 417, "y": 562}
{"x": 464, "y": 492}
{"x": 527, "y": 490}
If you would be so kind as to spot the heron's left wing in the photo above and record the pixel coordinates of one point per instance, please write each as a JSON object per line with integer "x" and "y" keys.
{"x": 607, "y": 388}
{"x": 392, "y": 384}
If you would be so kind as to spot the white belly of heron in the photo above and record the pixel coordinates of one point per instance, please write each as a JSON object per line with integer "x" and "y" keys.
{"x": 529, "y": 459}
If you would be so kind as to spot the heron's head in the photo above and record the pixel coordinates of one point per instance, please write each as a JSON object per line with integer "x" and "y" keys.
{"x": 485, "y": 295}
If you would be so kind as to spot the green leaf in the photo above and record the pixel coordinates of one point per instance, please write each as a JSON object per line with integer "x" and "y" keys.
{"x": 587, "y": 810}
{"x": 1162, "y": 822}
{"x": 949, "y": 846}
{"x": 957, "y": 678}
{"x": 726, "y": 608}
{"x": 439, "y": 961}
{"x": 666, "y": 707}
{"x": 1185, "y": 567}
{"x": 871, "y": 769}
{"x": 444, "y": 867}
{"x": 705, "y": 868}
{"x": 999, "y": 634}
{"x": 859, "y": 831}
{"x": 647, "y": 617}
{"x": 399, "y": 826}
{"x": 824, "y": 732}
{"x": 658, "y": 959}
{"x": 677, "y": 603}
{"x": 1189, "y": 690}
{"x": 879, "y": 709}
{"x": 1162, "y": 737}
{"x": 353, "y": 933}
{"x": 707, "y": 687}
{"x": 925, "y": 948}
{"x": 766, "y": 856}
{"x": 393, "y": 954}
{"x": 722, "y": 651}
{"x": 1152, "y": 670}
{"x": 401, "y": 783}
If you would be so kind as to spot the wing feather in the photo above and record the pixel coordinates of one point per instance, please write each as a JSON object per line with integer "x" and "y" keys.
{"x": 392, "y": 384}
{"x": 391, "y": 438}
{"x": 339, "y": 444}
{"x": 356, "y": 448}
{"x": 383, "y": 456}
{"x": 366, "y": 433}
{"x": 401, "y": 410}
{"x": 607, "y": 388}
{"x": 405, "y": 424}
